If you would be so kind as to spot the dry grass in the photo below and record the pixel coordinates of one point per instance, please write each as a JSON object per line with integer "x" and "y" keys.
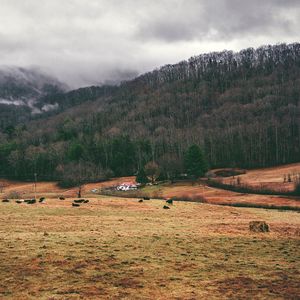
{"x": 52, "y": 190}
{"x": 270, "y": 178}
{"x": 120, "y": 249}
{"x": 219, "y": 196}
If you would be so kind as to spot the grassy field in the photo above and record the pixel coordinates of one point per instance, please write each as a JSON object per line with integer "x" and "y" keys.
{"x": 217, "y": 196}
{"x": 115, "y": 248}
{"x": 271, "y": 178}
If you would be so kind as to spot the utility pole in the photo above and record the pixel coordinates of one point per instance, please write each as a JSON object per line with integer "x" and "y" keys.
{"x": 35, "y": 182}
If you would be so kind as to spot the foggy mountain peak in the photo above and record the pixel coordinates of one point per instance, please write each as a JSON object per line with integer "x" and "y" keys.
{"x": 27, "y": 87}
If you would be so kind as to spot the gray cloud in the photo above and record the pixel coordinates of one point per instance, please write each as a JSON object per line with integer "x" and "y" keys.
{"x": 97, "y": 41}
{"x": 222, "y": 20}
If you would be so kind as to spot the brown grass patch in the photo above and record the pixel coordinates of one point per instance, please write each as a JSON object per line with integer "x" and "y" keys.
{"x": 112, "y": 248}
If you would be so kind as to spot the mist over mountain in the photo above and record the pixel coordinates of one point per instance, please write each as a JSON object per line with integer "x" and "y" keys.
{"x": 23, "y": 94}
{"x": 241, "y": 108}
{"x": 28, "y": 87}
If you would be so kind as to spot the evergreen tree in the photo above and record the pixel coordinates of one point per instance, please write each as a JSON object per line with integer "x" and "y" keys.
{"x": 141, "y": 177}
{"x": 75, "y": 151}
{"x": 195, "y": 162}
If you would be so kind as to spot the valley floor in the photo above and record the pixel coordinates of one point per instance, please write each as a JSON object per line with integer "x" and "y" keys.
{"x": 112, "y": 248}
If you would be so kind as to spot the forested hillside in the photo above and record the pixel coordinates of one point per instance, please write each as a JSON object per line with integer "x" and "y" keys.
{"x": 241, "y": 108}
{"x": 27, "y": 94}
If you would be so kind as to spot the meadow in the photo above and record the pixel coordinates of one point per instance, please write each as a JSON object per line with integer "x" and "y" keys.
{"x": 112, "y": 248}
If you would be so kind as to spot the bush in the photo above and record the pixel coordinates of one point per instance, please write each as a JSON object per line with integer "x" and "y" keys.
{"x": 297, "y": 189}
{"x": 141, "y": 177}
{"x": 259, "y": 226}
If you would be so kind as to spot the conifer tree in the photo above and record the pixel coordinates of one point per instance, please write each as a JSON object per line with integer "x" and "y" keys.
{"x": 195, "y": 162}
{"x": 141, "y": 177}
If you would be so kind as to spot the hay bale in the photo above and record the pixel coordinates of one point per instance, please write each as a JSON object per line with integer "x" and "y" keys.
{"x": 5, "y": 200}
{"x": 141, "y": 200}
{"x": 170, "y": 201}
{"x": 259, "y": 226}
{"x": 166, "y": 207}
{"x": 78, "y": 201}
{"x": 75, "y": 205}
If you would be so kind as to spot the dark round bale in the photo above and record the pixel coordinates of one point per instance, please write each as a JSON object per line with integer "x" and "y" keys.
{"x": 42, "y": 199}
{"x": 19, "y": 201}
{"x": 259, "y": 226}
{"x": 86, "y": 201}
{"x": 5, "y": 200}
{"x": 166, "y": 207}
{"x": 78, "y": 201}
{"x": 75, "y": 205}
{"x": 141, "y": 200}
{"x": 62, "y": 198}
{"x": 170, "y": 201}
{"x": 146, "y": 198}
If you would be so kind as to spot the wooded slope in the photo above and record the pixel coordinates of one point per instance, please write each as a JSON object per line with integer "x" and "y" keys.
{"x": 242, "y": 108}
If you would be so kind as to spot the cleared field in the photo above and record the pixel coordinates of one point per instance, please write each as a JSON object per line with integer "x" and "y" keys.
{"x": 51, "y": 189}
{"x": 115, "y": 248}
{"x": 184, "y": 189}
{"x": 217, "y": 196}
{"x": 272, "y": 178}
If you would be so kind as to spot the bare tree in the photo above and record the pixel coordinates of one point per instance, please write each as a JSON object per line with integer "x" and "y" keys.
{"x": 152, "y": 171}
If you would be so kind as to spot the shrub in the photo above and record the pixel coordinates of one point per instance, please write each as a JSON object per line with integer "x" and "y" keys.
{"x": 141, "y": 177}
{"x": 259, "y": 226}
{"x": 297, "y": 186}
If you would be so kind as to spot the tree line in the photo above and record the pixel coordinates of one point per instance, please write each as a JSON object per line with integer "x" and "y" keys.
{"x": 241, "y": 109}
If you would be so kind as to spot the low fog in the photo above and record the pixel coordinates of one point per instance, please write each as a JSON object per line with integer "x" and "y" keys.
{"x": 107, "y": 41}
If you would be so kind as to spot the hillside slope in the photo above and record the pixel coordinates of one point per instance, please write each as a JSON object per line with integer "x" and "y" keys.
{"x": 242, "y": 108}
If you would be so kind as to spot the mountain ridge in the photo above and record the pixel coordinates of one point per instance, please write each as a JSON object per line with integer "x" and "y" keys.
{"x": 242, "y": 114}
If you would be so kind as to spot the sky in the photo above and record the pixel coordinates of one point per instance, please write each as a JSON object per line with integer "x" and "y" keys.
{"x": 87, "y": 42}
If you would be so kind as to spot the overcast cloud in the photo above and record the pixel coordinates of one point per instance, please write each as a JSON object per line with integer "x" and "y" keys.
{"x": 84, "y": 42}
